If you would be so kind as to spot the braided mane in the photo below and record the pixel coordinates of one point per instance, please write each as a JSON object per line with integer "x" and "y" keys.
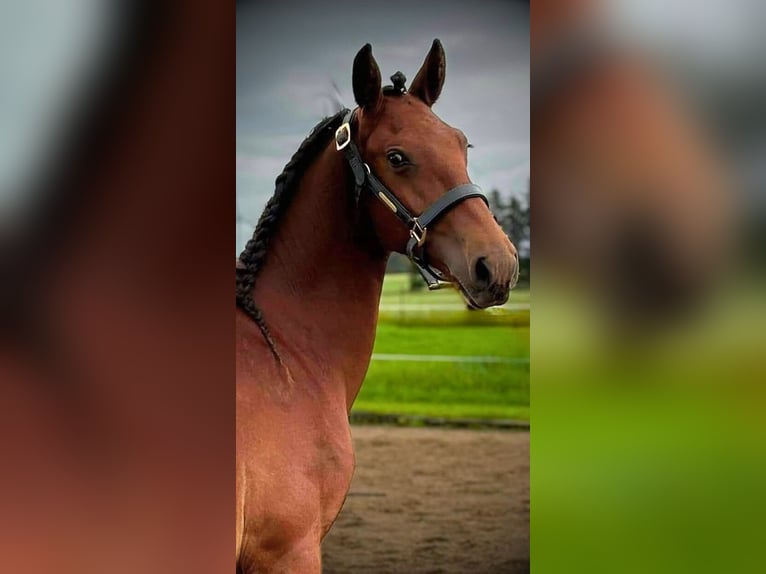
{"x": 251, "y": 260}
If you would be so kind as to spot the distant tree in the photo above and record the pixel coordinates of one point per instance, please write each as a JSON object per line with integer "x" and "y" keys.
{"x": 512, "y": 215}
{"x": 518, "y": 221}
{"x": 499, "y": 209}
{"x": 496, "y": 203}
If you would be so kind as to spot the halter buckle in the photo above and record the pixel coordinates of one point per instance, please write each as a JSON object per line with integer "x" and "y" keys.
{"x": 342, "y": 136}
{"x": 418, "y": 233}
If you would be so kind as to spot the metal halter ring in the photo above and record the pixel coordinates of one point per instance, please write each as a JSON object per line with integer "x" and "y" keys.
{"x": 418, "y": 233}
{"x": 342, "y": 136}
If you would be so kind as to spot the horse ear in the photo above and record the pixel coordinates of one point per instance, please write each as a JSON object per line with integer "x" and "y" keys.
{"x": 428, "y": 83}
{"x": 366, "y": 78}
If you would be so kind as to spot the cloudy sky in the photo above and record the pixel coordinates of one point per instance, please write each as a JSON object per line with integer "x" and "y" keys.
{"x": 291, "y": 54}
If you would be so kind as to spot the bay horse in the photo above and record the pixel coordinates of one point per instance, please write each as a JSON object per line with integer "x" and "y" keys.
{"x": 308, "y": 289}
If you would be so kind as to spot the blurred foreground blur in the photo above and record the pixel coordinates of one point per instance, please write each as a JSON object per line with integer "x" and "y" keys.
{"x": 647, "y": 391}
{"x": 116, "y": 197}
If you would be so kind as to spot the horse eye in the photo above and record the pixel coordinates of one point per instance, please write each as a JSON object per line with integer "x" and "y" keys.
{"x": 396, "y": 159}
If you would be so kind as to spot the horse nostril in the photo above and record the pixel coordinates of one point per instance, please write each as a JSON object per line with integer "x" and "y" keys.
{"x": 483, "y": 274}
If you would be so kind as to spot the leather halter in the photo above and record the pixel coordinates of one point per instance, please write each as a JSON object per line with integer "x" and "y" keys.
{"x": 364, "y": 179}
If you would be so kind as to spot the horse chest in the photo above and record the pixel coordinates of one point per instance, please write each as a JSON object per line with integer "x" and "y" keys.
{"x": 306, "y": 477}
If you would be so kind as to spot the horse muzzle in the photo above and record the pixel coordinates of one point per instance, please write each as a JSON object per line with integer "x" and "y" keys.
{"x": 490, "y": 279}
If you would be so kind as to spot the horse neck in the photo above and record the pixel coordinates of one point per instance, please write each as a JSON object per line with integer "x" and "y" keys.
{"x": 320, "y": 287}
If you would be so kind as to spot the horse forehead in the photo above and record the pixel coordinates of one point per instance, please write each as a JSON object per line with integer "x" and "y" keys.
{"x": 409, "y": 123}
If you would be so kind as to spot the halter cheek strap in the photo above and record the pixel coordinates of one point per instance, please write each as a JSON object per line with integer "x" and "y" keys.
{"x": 417, "y": 226}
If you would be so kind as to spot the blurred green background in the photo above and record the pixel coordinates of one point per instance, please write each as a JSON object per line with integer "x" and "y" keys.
{"x": 649, "y": 456}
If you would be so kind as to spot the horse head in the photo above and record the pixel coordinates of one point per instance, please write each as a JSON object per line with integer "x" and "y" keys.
{"x": 421, "y": 159}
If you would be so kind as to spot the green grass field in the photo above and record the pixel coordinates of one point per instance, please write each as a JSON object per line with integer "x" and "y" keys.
{"x": 448, "y": 389}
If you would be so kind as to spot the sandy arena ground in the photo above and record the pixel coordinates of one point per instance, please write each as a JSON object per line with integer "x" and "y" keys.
{"x": 434, "y": 500}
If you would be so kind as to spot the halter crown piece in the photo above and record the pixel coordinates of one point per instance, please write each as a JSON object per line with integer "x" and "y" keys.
{"x": 364, "y": 179}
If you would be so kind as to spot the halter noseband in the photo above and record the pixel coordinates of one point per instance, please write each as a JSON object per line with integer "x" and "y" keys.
{"x": 417, "y": 226}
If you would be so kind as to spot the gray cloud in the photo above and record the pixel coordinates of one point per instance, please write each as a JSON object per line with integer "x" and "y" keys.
{"x": 290, "y": 53}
